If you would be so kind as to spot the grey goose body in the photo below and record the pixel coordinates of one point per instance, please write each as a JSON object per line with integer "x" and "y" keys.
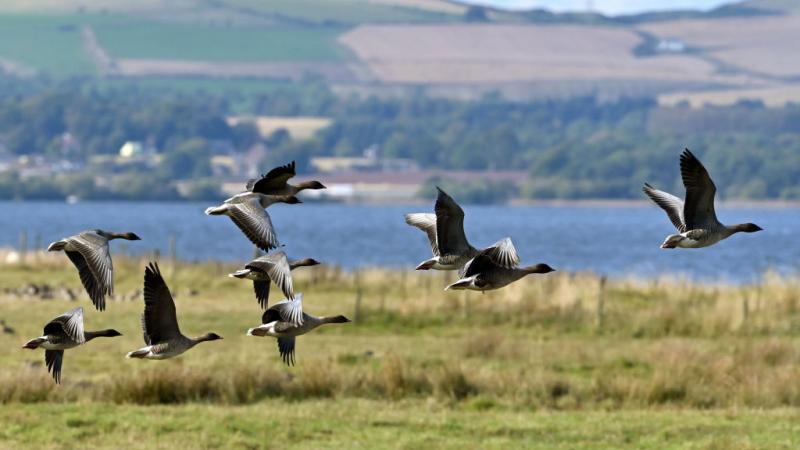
{"x": 695, "y": 218}
{"x": 286, "y": 320}
{"x": 90, "y": 254}
{"x": 62, "y": 333}
{"x": 274, "y": 267}
{"x": 162, "y": 336}
{"x": 275, "y": 182}
{"x": 484, "y": 273}
{"x": 247, "y": 210}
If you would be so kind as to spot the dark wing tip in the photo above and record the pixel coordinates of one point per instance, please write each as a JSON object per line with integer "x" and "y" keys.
{"x": 688, "y": 156}
{"x": 152, "y": 269}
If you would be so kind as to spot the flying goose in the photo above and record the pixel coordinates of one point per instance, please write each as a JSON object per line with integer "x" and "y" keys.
{"x": 276, "y": 182}
{"x": 247, "y": 211}
{"x": 280, "y": 321}
{"x": 89, "y": 252}
{"x": 274, "y": 267}
{"x": 695, "y": 219}
{"x": 449, "y": 245}
{"x": 160, "y": 323}
{"x": 483, "y": 273}
{"x": 62, "y": 333}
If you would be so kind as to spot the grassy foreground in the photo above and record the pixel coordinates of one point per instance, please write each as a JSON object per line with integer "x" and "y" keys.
{"x": 559, "y": 361}
{"x": 370, "y": 424}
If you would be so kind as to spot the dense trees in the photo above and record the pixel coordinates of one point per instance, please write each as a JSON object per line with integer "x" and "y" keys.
{"x": 572, "y": 148}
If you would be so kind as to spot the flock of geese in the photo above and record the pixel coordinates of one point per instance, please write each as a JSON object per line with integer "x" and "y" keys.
{"x": 485, "y": 269}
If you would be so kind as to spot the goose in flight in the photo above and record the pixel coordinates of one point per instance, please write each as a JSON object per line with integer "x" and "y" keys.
{"x": 483, "y": 273}
{"x": 274, "y": 267}
{"x": 90, "y": 254}
{"x": 248, "y": 211}
{"x": 62, "y": 333}
{"x": 281, "y": 321}
{"x": 275, "y": 182}
{"x": 449, "y": 245}
{"x": 695, "y": 218}
{"x": 162, "y": 336}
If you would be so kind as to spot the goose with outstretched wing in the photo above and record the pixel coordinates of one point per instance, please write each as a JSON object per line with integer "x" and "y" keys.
{"x": 695, "y": 219}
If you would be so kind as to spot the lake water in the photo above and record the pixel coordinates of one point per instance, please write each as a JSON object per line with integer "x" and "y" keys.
{"x": 615, "y": 241}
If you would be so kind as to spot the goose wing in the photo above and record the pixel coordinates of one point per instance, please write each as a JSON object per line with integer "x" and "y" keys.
{"x": 255, "y": 223}
{"x": 671, "y": 204}
{"x": 276, "y": 266}
{"x": 286, "y": 349}
{"x": 275, "y": 180}
{"x": 290, "y": 311}
{"x": 261, "y": 289}
{"x": 427, "y": 223}
{"x": 450, "y": 235}
{"x": 698, "y": 211}
{"x": 159, "y": 321}
{"x": 92, "y": 258}
{"x": 483, "y": 261}
{"x": 503, "y": 253}
{"x": 69, "y": 324}
{"x": 53, "y": 360}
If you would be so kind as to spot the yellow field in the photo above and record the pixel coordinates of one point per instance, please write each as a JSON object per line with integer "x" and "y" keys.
{"x": 507, "y": 53}
{"x": 762, "y": 45}
{"x": 298, "y": 127}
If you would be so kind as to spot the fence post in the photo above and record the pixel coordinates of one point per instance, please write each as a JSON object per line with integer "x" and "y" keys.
{"x": 357, "y": 283}
{"x": 23, "y": 245}
{"x": 601, "y": 302}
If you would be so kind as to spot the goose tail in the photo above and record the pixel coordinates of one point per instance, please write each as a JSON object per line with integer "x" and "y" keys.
{"x": 463, "y": 283}
{"x": 257, "y": 331}
{"x": 56, "y": 246}
{"x": 141, "y": 353}
{"x": 215, "y": 210}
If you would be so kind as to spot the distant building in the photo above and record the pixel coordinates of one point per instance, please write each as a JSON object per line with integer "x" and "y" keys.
{"x": 134, "y": 149}
{"x": 670, "y": 46}
{"x": 370, "y": 162}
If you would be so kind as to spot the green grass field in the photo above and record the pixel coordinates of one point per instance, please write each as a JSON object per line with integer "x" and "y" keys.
{"x": 53, "y": 45}
{"x": 46, "y": 43}
{"x": 132, "y": 38}
{"x": 345, "y": 11}
{"x": 372, "y": 424}
{"x": 558, "y": 361}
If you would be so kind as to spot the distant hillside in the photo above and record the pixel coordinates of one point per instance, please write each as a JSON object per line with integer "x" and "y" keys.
{"x": 403, "y": 46}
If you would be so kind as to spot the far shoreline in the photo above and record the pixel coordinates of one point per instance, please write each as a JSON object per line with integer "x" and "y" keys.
{"x": 554, "y": 203}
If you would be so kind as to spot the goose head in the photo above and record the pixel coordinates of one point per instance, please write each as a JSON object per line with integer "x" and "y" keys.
{"x": 210, "y": 337}
{"x": 749, "y": 228}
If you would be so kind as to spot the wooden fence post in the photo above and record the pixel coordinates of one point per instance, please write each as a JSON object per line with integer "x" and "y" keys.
{"x": 601, "y": 302}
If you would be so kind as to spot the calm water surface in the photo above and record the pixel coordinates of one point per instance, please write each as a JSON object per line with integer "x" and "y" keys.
{"x": 616, "y": 241}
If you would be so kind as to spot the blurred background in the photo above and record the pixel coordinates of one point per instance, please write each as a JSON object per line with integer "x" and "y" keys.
{"x": 505, "y": 101}
{"x": 542, "y": 118}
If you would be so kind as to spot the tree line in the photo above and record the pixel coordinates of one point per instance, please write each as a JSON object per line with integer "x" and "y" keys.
{"x": 573, "y": 148}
